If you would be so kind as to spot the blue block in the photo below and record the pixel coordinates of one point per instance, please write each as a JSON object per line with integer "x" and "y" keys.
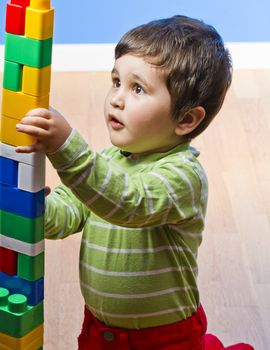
{"x": 16, "y": 201}
{"x": 34, "y": 291}
{"x": 8, "y": 172}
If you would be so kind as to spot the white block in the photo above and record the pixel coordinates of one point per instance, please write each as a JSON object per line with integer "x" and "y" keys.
{"x": 22, "y": 247}
{"x": 31, "y": 178}
{"x": 34, "y": 159}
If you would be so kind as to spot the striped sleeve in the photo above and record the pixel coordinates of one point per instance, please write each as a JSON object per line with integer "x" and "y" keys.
{"x": 64, "y": 213}
{"x": 166, "y": 194}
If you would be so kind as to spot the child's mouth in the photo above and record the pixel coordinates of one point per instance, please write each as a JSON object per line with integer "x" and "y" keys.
{"x": 115, "y": 123}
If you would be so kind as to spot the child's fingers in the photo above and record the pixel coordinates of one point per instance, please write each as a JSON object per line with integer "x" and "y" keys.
{"x": 47, "y": 190}
{"x": 25, "y": 149}
{"x": 36, "y": 121}
{"x": 31, "y": 130}
{"x": 35, "y": 147}
{"x": 39, "y": 112}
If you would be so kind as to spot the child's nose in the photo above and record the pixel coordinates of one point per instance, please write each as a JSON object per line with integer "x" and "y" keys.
{"x": 117, "y": 99}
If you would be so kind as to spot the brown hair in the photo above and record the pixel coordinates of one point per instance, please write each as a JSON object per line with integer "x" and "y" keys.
{"x": 196, "y": 64}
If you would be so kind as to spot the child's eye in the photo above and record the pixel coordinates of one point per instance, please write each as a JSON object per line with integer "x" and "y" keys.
{"x": 116, "y": 82}
{"x": 138, "y": 89}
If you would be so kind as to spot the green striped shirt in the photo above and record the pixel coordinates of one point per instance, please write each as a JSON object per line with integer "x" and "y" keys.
{"x": 142, "y": 221}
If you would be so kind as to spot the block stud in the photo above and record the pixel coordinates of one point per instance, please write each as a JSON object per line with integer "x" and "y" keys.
{"x": 4, "y": 293}
{"x": 40, "y": 4}
{"x": 17, "y": 303}
{"x": 23, "y": 3}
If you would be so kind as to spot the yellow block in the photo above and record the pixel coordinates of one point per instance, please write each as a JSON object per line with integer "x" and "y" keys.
{"x": 17, "y": 104}
{"x": 39, "y": 20}
{"x": 40, "y": 4}
{"x": 36, "y": 81}
{"x": 9, "y": 135}
{"x": 31, "y": 341}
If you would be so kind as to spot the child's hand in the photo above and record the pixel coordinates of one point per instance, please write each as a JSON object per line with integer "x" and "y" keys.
{"x": 47, "y": 191}
{"x": 48, "y": 126}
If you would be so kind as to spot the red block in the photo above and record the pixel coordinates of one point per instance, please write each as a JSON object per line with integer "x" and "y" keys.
{"x": 23, "y": 3}
{"x": 15, "y": 16}
{"x": 8, "y": 261}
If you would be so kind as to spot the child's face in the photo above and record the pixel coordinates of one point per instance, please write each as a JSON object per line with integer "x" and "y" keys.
{"x": 138, "y": 108}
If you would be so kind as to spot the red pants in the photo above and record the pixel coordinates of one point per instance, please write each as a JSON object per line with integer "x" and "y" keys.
{"x": 184, "y": 335}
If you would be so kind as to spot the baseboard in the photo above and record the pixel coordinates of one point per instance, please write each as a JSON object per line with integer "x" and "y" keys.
{"x": 250, "y": 55}
{"x": 99, "y": 57}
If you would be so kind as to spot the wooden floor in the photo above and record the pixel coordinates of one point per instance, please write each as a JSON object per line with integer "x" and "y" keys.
{"x": 234, "y": 259}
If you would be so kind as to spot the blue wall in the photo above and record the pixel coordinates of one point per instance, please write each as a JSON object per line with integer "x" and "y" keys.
{"x": 104, "y": 21}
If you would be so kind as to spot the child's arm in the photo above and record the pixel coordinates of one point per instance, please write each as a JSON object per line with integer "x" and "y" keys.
{"x": 64, "y": 213}
{"x": 167, "y": 195}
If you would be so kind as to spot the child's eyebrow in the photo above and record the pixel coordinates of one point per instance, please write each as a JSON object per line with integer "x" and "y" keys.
{"x": 141, "y": 79}
{"x": 135, "y": 76}
{"x": 114, "y": 71}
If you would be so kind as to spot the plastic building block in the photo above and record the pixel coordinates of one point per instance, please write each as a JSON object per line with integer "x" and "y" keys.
{"x": 22, "y": 228}
{"x": 36, "y": 81}
{"x": 34, "y": 291}
{"x": 23, "y": 3}
{"x": 22, "y": 247}
{"x": 16, "y": 104}
{"x": 30, "y": 268}
{"x": 34, "y": 159}
{"x": 30, "y": 178}
{"x": 15, "y": 16}
{"x": 12, "y": 76}
{"x": 8, "y": 261}
{"x": 17, "y": 317}
{"x": 10, "y": 136}
{"x": 31, "y": 341}
{"x": 26, "y": 83}
{"x": 40, "y": 4}
{"x": 8, "y": 172}
{"x": 39, "y": 20}
{"x": 29, "y": 52}
{"x": 17, "y": 303}
{"x": 21, "y": 202}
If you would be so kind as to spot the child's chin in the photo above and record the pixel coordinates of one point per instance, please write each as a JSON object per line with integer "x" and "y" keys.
{"x": 122, "y": 145}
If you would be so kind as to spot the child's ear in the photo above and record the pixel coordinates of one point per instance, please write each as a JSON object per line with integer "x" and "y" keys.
{"x": 190, "y": 121}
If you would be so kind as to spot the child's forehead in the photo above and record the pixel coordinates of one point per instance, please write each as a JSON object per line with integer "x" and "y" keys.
{"x": 138, "y": 65}
{"x": 137, "y": 57}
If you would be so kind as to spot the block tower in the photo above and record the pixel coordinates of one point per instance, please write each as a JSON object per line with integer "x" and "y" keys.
{"x": 26, "y": 85}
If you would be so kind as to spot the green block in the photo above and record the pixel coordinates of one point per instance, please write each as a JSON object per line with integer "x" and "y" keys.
{"x": 21, "y": 228}
{"x": 12, "y": 76}
{"x": 30, "y": 268}
{"x": 16, "y": 317}
{"x": 29, "y": 52}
